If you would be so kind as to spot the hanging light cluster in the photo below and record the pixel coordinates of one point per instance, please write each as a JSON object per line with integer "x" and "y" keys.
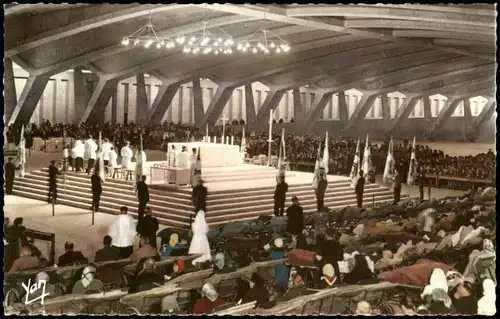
{"x": 146, "y": 36}
{"x": 207, "y": 42}
{"x": 264, "y": 41}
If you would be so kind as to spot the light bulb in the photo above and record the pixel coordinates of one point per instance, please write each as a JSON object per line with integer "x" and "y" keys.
{"x": 259, "y": 44}
{"x": 266, "y": 51}
{"x": 278, "y": 50}
{"x": 186, "y": 50}
{"x": 205, "y": 41}
{"x": 244, "y": 49}
{"x": 193, "y": 38}
{"x": 286, "y": 49}
{"x": 216, "y": 52}
{"x": 216, "y": 44}
{"x": 180, "y": 39}
{"x": 158, "y": 45}
{"x": 239, "y": 47}
{"x": 272, "y": 45}
{"x": 125, "y": 41}
{"x": 136, "y": 42}
{"x": 148, "y": 44}
{"x": 230, "y": 51}
{"x": 254, "y": 50}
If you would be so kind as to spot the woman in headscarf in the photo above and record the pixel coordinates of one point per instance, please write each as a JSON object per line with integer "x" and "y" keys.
{"x": 88, "y": 283}
{"x": 460, "y": 292}
{"x": 435, "y": 295}
{"x": 360, "y": 271}
{"x": 199, "y": 243}
{"x": 208, "y": 302}
{"x": 169, "y": 305}
{"x": 173, "y": 244}
{"x": 219, "y": 264}
{"x": 486, "y": 306}
{"x": 329, "y": 277}
{"x": 258, "y": 292}
{"x": 282, "y": 272}
{"x": 363, "y": 308}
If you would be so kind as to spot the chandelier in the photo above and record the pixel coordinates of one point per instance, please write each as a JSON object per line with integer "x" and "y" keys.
{"x": 207, "y": 42}
{"x": 264, "y": 41}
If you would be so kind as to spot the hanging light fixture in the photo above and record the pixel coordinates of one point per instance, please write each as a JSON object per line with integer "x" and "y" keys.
{"x": 207, "y": 42}
{"x": 263, "y": 41}
{"x": 147, "y": 37}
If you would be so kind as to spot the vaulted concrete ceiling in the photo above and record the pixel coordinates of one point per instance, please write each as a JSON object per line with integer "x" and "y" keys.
{"x": 332, "y": 46}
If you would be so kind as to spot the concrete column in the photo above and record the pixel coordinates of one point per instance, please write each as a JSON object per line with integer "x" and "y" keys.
{"x": 79, "y": 91}
{"x": 114, "y": 107}
{"x": 270, "y": 103}
{"x": 199, "y": 110}
{"x": 343, "y": 110}
{"x": 10, "y": 95}
{"x": 403, "y": 112}
{"x": 386, "y": 107}
{"x": 486, "y": 114}
{"x": 427, "y": 107}
{"x": 298, "y": 108}
{"x": 162, "y": 102}
{"x": 448, "y": 109}
{"x": 26, "y": 105}
{"x": 142, "y": 105}
{"x": 321, "y": 99}
{"x": 216, "y": 106}
{"x": 361, "y": 109}
{"x": 104, "y": 90}
{"x": 467, "y": 117}
{"x": 251, "y": 117}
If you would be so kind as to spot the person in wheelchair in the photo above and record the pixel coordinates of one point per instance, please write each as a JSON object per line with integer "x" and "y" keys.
{"x": 88, "y": 283}
{"x": 258, "y": 292}
{"x": 147, "y": 278}
{"x": 173, "y": 246}
{"x": 177, "y": 269}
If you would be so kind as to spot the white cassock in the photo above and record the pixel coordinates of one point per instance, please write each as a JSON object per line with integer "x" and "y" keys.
{"x": 122, "y": 231}
{"x": 171, "y": 155}
{"x": 199, "y": 243}
{"x": 182, "y": 160}
{"x": 113, "y": 158}
{"x": 90, "y": 149}
{"x": 126, "y": 154}
{"x": 78, "y": 150}
{"x": 192, "y": 165}
{"x": 106, "y": 147}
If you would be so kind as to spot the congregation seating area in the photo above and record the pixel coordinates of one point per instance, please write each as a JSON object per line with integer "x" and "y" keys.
{"x": 399, "y": 246}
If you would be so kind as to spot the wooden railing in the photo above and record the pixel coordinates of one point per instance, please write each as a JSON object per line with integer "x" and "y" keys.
{"x": 434, "y": 180}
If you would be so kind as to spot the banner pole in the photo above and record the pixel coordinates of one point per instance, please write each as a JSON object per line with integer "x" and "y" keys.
{"x": 93, "y": 210}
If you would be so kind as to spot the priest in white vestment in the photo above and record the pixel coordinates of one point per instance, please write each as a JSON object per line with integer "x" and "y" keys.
{"x": 122, "y": 232}
{"x": 90, "y": 153}
{"x": 182, "y": 159}
{"x": 106, "y": 146}
{"x": 77, "y": 153}
{"x": 192, "y": 166}
{"x": 113, "y": 159}
{"x": 199, "y": 243}
{"x": 171, "y": 156}
{"x": 126, "y": 154}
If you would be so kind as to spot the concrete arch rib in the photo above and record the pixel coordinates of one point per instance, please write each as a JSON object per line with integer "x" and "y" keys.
{"x": 119, "y": 48}
{"x": 402, "y": 13}
{"x": 130, "y": 12}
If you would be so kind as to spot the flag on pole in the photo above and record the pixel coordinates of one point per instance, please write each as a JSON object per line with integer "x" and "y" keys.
{"x": 412, "y": 170}
{"x": 65, "y": 165}
{"x": 243, "y": 147}
{"x": 367, "y": 160}
{"x": 326, "y": 155}
{"x": 101, "y": 160}
{"x": 281, "y": 160}
{"x": 207, "y": 138}
{"x": 389, "y": 164}
{"x": 317, "y": 167}
{"x": 355, "y": 167}
{"x": 283, "y": 145}
{"x": 139, "y": 165}
{"x": 21, "y": 153}
{"x": 197, "y": 167}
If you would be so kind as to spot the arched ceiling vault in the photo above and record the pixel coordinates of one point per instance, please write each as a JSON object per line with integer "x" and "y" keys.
{"x": 332, "y": 46}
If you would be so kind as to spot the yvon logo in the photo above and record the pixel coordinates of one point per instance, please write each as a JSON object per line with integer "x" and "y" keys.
{"x": 32, "y": 289}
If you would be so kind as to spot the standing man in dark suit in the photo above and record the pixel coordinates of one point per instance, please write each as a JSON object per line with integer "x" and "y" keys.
{"x": 142, "y": 196}
{"x": 321, "y": 189}
{"x": 280, "y": 196}
{"x": 148, "y": 227}
{"x": 397, "y": 187}
{"x": 53, "y": 172}
{"x": 96, "y": 190}
{"x": 360, "y": 188}
{"x": 108, "y": 252}
{"x": 421, "y": 182}
{"x": 199, "y": 197}
{"x": 295, "y": 213}
{"x": 10, "y": 174}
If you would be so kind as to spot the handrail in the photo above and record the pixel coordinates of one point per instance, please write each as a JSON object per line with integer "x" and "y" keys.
{"x": 238, "y": 273}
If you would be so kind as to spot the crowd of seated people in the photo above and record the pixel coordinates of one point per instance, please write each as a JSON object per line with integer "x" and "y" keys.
{"x": 445, "y": 247}
{"x": 300, "y": 148}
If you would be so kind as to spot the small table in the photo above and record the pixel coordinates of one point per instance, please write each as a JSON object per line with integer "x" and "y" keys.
{"x": 178, "y": 176}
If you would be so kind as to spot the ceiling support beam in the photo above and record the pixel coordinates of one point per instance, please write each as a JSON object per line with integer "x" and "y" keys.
{"x": 386, "y": 107}
{"x": 486, "y": 113}
{"x": 28, "y": 100}
{"x": 142, "y": 103}
{"x": 272, "y": 100}
{"x": 79, "y": 92}
{"x": 251, "y": 117}
{"x": 10, "y": 95}
{"x": 299, "y": 113}
{"x": 449, "y": 107}
{"x": 403, "y": 112}
{"x": 427, "y": 106}
{"x": 467, "y": 117}
{"x": 217, "y": 104}
{"x": 199, "y": 109}
{"x": 162, "y": 102}
{"x": 320, "y": 101}
{"x": 103, "y": 92}
{"x": 362, "y": 108}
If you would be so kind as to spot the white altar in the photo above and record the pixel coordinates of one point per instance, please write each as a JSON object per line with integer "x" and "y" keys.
{"x": 212, "y": 154}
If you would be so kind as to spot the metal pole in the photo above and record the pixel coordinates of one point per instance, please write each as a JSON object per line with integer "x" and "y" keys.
{"x": 373, "y": 200}
{"x": 270, "y": 141}
{"x": 53, "y": 205}
{"x": 93, "y": 214}
{"x": 429, "y": 191}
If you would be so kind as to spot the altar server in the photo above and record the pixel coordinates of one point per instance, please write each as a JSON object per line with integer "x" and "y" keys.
{"x": 90, "y": 153}
{"x": 126, "y": 155}
{"x": 192, "y": 166}
{"x": 199, "y": 243}
{"x": 182, "y": 159}
{"x": 77, "y": 154}
{"x": 122, "y": 232}
{"x": 171, "y": 156}
{"x": 106, "y": 147}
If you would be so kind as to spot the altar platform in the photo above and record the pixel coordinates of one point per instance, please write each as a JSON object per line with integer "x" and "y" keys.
{"x": 213, "y": 154}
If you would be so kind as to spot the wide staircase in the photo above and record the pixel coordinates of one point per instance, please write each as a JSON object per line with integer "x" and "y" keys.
{"x": 173, "y": 206}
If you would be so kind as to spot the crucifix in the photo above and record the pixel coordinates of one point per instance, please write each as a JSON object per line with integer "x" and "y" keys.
{"x": 270, "y": 141}
{"x": 223, "y": 119}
